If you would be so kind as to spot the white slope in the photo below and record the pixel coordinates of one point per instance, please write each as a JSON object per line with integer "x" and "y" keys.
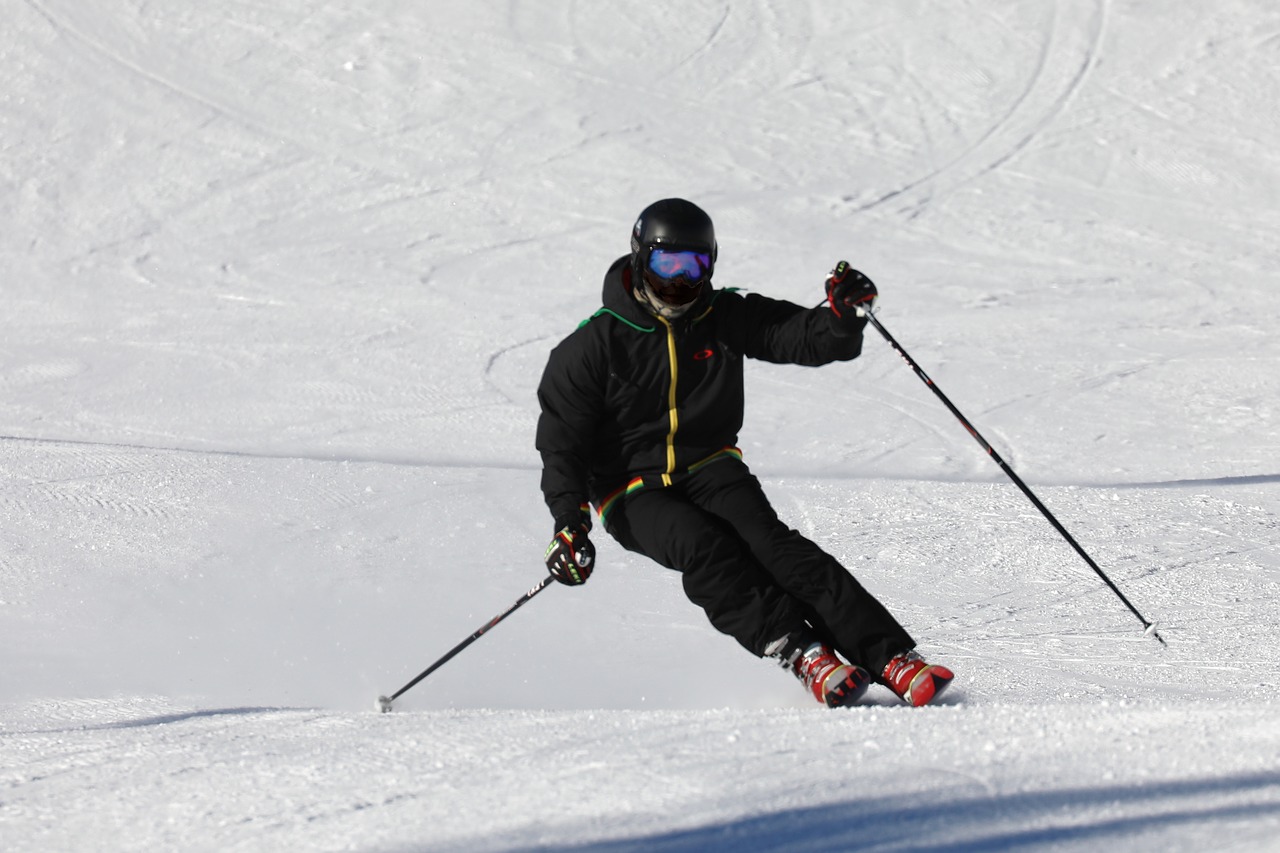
{"x": 279, "y": 282}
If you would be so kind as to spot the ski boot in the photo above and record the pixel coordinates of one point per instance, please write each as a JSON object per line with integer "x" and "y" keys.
{"x": 916, "y": 682}
{"x": 832, "y": 682}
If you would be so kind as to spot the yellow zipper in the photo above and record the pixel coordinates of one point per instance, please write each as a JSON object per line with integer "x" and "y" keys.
{"x": 671, "y": 404}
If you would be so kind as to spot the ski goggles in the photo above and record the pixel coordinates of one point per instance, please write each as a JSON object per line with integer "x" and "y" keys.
{"x": 668, "y": 264}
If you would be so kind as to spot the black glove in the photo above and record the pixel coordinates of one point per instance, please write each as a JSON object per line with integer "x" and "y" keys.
{"x": 570, "y": 557}
{"x": 850, "y": 293}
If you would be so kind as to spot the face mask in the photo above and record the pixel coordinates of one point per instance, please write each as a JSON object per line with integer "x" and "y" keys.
{"x": 649, "y": 298}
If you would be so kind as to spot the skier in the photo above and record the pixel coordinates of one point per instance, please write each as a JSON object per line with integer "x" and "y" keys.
{"x": 640, "y": 412}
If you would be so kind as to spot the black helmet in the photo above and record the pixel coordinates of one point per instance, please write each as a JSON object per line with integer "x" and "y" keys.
{"x": 673, "y": 227}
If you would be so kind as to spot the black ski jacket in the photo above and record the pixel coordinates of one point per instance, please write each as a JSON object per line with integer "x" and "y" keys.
{"x": 632, "y": 401}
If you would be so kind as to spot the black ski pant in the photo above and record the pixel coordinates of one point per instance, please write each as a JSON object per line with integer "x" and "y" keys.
{"x": 757, "y": 579}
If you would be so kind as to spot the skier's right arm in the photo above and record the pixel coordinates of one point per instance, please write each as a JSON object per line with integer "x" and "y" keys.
{"x": 571, "y": 399}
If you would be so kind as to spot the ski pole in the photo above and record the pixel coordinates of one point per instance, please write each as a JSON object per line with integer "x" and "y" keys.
{"x": 1150, "y": 627}
{"x": 384, "y": 702}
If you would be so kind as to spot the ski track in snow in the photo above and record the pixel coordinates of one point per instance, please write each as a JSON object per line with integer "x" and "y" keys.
{"x": 1064, "y": 61}
{"x": 280, "y": 282}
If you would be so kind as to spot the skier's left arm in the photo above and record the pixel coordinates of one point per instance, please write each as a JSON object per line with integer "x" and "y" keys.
{"x": 786, "y": 333}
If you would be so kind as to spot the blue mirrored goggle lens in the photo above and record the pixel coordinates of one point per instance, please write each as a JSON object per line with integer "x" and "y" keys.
{"x": 667, "y": 264}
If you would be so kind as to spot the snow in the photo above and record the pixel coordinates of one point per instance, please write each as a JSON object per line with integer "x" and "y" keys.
{"x": 279, "y": 283}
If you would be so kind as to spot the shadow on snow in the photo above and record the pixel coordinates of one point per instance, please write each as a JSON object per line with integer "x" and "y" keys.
{"x": 1083, "y": 816}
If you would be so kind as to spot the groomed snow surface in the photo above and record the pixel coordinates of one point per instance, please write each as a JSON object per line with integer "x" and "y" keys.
{"x": 279, "y": 282}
